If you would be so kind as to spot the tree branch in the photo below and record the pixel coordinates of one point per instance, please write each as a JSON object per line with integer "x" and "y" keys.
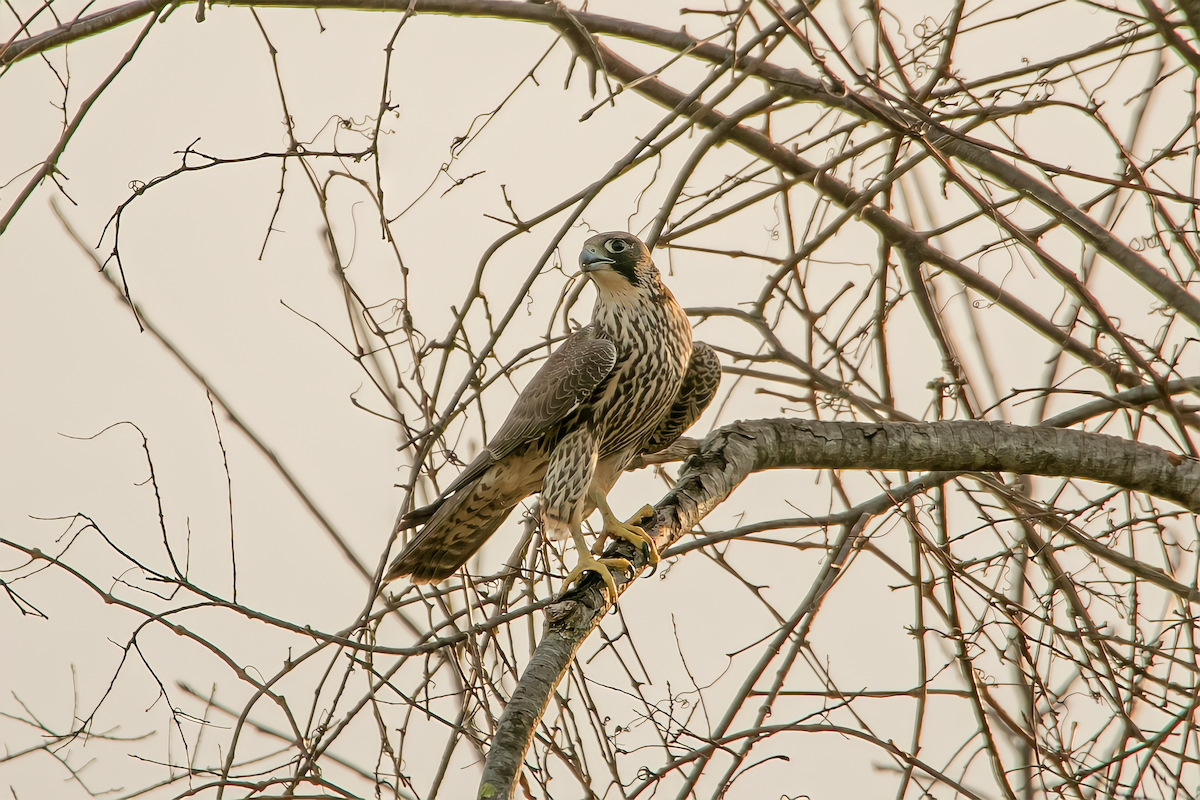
{"x": 730, "y": 454}
{"x": 580, "y": 28}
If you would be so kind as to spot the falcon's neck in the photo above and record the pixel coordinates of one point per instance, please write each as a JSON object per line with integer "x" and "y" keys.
{"x": 617, "y": 306}
{"x": 634, "y": 317}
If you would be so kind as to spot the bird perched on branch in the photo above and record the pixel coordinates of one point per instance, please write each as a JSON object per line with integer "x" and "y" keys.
{"x": 627, "y": 384}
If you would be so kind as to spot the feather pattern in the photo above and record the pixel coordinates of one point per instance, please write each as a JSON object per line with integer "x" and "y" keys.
{"x": 565, "y": 381}
{"x": 695, "y": 393}
{"x": 627, "y": 381}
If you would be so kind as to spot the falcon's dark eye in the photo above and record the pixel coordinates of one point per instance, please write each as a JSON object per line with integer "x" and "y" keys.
{"x": 616, "y": 246}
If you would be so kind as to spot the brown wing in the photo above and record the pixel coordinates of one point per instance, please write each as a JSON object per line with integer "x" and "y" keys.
{"x": 567, "y": 379}
{"x": 564, "y": 382}
{"x": 695, "y": 393}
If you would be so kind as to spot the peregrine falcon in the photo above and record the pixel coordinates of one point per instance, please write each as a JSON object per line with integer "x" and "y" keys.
{"x": 627, "y": 384}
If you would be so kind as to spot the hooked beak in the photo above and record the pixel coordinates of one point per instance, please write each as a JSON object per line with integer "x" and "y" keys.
{"x": 592, "y": 258}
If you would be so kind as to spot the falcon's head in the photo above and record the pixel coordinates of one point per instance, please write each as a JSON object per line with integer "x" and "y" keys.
{"x": 618, "y": 261}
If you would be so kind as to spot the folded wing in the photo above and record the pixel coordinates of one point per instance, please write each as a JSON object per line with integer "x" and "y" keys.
{"x": 695, "y": 393}
{"x": 473, "y": 505}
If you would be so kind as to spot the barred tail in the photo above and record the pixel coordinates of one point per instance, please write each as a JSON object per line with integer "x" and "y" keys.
{"x": 455, "y": 530}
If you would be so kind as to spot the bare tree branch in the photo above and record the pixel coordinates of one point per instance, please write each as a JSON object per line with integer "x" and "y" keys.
{"x": 731, "y": 454}
{"x": 935, "y": 219}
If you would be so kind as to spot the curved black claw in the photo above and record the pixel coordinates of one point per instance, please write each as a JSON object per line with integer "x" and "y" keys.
{"x": 648, "y": 552}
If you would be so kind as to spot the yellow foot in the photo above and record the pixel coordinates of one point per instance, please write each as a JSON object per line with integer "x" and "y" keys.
{"x": 598, "y": 565}
{"x": 632, "y": 533}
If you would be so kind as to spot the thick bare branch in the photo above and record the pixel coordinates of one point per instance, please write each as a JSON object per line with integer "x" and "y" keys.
{"x": 731, "y": 454}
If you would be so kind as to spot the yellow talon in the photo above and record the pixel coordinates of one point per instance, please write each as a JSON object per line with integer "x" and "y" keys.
{"x": 628, "y": 530}
{"x": 587, "y": 563}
